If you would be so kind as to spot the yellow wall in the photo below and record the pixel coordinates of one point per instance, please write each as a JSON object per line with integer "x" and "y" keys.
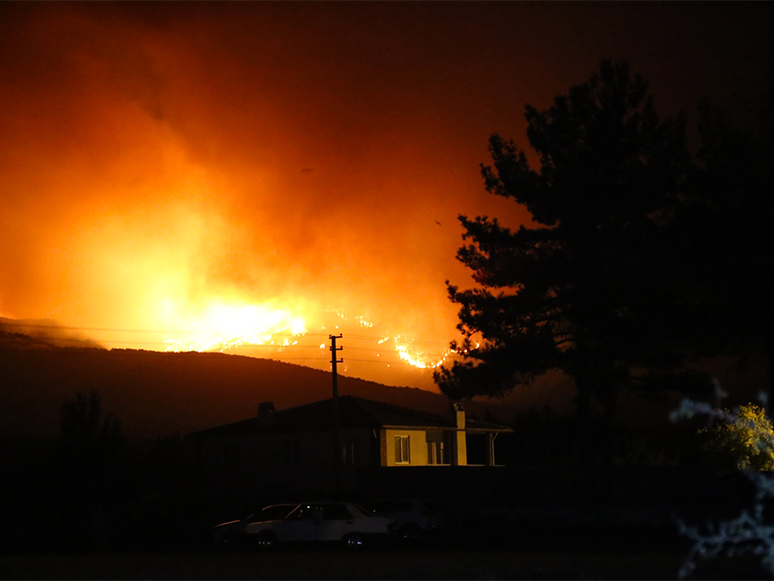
{"x": 417, "y": 442}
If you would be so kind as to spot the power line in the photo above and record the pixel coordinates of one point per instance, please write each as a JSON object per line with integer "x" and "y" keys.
{"x": 155, "y": 331}
{"x": 202, "y": 332}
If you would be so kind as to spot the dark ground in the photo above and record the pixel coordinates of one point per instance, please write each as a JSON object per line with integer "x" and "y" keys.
{"x": 127, "y": 527}
{"x": 149, "y": 517}
{"x": 465, "y": 556}
{"x": 316, "y": 564}
{"x": 571, "y": 543}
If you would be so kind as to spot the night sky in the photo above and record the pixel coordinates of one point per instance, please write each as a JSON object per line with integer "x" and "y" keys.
{"x": 192, "y": 167}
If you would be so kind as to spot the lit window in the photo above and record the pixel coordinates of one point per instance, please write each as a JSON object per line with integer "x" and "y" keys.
{"x": 402, "y": 449}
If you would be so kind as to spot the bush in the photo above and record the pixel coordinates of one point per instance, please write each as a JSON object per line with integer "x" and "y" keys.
{"x": 742, "y": 441}
{"x": 747, "y": 437}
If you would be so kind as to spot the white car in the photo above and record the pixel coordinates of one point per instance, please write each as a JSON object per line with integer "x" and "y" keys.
{"x": 331, "y": 521}
{"x": 232, "y": 534}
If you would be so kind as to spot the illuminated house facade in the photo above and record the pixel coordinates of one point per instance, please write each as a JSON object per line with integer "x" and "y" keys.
{"x": 369, "y": 434}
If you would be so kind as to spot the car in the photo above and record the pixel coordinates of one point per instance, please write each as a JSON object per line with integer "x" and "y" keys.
{"x": 414, "y": 518}
{"x": 232, "y": 534}
{"x": 331, "y": 521}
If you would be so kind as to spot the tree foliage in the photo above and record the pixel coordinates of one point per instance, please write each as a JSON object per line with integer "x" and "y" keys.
{"x": 748, "y": 435}
{"x": 579, "y": 291}
{"x": 726, "y": 245}
{"x": 744, "y": 440}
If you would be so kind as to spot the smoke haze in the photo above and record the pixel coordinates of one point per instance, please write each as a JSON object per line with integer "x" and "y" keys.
{"x": 159, "y": 159}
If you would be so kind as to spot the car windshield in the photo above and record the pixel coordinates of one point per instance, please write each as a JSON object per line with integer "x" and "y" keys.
{"x": 274, "y": 512}
{"x": 361, "y": 509}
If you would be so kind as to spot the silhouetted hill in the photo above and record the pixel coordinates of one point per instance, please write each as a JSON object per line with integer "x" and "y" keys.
{"x": 40, "y": 333}
{"x": 158, "y": 394}
{"x": 20, "y": 341}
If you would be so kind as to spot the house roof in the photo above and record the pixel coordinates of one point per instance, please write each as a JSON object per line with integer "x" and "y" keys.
{"x": 354, "y": 413}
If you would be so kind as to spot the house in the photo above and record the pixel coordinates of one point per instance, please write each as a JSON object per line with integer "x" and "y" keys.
{"x": 362, "y": 432}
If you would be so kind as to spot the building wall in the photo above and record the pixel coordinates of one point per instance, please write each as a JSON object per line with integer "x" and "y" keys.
{"x": 363, "y": 448}
{"x": 455, "y": 447}
{"x": 418, "y": 447}
{"x": 289, "y": 450}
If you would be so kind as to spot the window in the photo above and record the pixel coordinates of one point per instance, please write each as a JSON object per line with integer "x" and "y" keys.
{"x": 435, "y": 453}
{"x": 276, "y": 512}
{"x": 303, "y": 512}
{"x": 362, "y": 510}
{"x": 307, "y": 512}
{"x": 336, "y": 512}
{"x": 402, "y": 450}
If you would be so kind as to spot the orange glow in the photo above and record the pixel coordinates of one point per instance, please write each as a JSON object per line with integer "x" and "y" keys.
{"x": 214, "y": 176}
{"x": 416, "y": 357}
{"x": 159, "y": 194}
{"x": 222, "y": 327}
{"x": 173, "y": 187}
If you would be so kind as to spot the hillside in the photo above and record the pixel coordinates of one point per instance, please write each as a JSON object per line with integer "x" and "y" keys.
{"x": 158, "y": 394}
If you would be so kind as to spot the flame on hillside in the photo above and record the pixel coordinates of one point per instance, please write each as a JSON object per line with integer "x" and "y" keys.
{"x": 417, "y": 358}
{"x": 221, "y": 327}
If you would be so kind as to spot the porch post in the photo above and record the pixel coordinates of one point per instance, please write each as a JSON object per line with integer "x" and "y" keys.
{"x": 490, "y": 444}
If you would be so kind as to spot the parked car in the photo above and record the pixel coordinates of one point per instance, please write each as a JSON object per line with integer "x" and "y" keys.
{"x": 344, "y": 522}
{"x": 414, "y": 518}
{"x": 232, "y": 534}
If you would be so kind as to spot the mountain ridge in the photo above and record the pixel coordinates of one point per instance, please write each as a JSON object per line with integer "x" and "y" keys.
{"x": 159, "y": 394}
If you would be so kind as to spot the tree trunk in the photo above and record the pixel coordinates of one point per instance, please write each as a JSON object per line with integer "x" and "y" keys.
{"x": 596, "y": 436}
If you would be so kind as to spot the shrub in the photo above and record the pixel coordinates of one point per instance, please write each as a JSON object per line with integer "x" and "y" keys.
{"x": 745, "y": 443}
{"x": 747, "y": 434}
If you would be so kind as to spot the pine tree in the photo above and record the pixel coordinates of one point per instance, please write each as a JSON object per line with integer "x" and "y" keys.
{"x": 582, "y": 291}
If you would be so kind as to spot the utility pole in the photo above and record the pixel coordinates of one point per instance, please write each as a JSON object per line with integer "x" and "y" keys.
{"x": 336, "y": 413}
{"x": 334, "y": 361}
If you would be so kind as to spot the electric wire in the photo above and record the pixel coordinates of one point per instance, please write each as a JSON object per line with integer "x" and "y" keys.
{"x": 385, "y": 343}
{"x": 382, "y": 338}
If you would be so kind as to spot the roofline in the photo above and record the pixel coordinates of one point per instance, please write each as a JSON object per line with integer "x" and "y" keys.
{"x": 447, "y": 425}
{"x": 404, "y": 427}
{"x": 449, "y": 428}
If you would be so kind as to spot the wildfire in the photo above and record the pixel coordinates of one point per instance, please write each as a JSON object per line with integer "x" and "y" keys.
{"x": 224, "y": 327}
{"x": 417, "y": 359}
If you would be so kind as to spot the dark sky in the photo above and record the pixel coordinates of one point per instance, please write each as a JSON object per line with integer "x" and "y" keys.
{"x": 172, "y": 166}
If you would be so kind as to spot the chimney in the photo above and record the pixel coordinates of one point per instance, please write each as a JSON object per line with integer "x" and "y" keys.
{"x": 459, "y": 451}
{"x": 266, "y": 413}
{"x": 460, "y": 414}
